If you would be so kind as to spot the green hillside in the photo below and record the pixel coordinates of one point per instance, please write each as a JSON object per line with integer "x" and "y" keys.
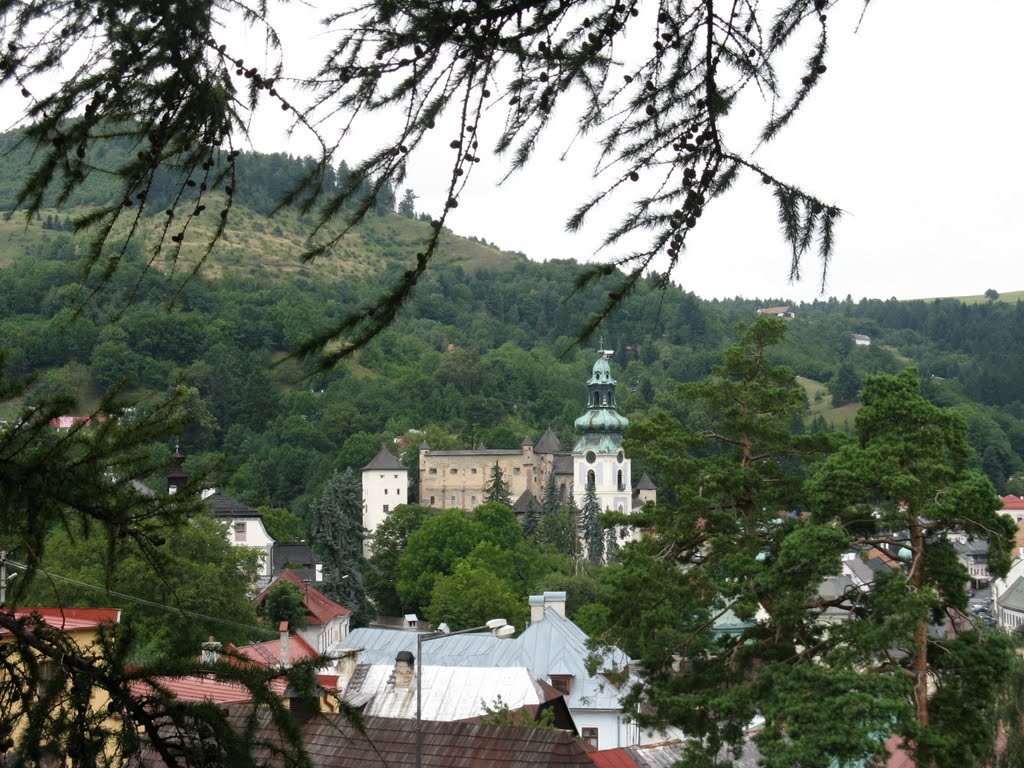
{"x": 483, "y": 352}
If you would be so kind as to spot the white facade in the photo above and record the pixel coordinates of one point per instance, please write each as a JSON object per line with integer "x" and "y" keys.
{"x": 385, "y": 485}
{"x": 612, "y": 479}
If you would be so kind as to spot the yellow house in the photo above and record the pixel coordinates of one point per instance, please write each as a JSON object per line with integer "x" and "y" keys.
{"x": 46, "y": 668}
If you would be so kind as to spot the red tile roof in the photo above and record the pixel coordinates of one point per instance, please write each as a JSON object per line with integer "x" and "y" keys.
{"x": 320, "y": 607}
{"x": 70, "y": 619}
{"x": 613, "y": 758}
{"x": 205, "y": 688}
{"x": 1012, "y": 502}
{"x": 268, "y": 653}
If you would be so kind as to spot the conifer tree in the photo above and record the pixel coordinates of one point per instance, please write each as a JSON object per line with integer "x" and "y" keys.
{"x": 551, "y": 502}
{"x": 531, "y": 518}
{"x": 590, "y": 519}
{"x": 338, "y": 538}
{"x": 611, "y": 545}
{"x": 497, "y": 489}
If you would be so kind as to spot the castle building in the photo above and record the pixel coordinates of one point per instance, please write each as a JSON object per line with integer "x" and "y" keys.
{"x": 459, "y": 479}
{"x": 385, "y": 485}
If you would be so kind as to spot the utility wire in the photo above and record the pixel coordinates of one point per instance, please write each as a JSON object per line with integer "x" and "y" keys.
{"x": 140, "y": 600}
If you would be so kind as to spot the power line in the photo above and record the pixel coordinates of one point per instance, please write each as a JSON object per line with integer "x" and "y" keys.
{"x": 141, "y": 600}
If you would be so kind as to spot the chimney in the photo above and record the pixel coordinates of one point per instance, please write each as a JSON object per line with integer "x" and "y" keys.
{"x": 210, "y": 651}
{"x": 405, "y": 669}
{"x": 283, "y": 630}
{"x": 555, "y": 601}
{"x": 536, "y": 608}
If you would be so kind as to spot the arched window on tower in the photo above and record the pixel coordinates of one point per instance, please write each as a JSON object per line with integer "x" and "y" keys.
{"x": 591, "y": 478}
{"x": 621, "y": 486}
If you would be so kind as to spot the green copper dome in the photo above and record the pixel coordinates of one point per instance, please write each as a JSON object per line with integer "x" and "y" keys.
{"x": 602, "y": 426}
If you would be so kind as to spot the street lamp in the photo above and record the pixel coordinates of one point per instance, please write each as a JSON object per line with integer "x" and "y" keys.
{"x": 497, "y": 627}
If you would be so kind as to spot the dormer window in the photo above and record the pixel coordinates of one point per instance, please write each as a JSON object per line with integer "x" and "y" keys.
{"x": 562, "y": 683}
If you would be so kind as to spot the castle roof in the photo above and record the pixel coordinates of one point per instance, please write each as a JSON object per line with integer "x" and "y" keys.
{"x": 384, "y": 460}
{"x": 548, "y": 443}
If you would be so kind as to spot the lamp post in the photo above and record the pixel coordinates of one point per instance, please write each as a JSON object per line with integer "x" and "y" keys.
{"x": 497, "y": 627}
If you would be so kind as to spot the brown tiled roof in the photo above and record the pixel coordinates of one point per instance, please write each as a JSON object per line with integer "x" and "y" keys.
{"x": 331, "y": 741}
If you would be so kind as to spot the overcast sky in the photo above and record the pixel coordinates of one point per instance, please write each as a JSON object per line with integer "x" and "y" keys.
{"x": 915, "y": 133}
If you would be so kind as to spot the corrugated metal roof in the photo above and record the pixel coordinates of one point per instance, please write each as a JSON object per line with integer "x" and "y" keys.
{"x": 449, "y": 693}
{"x": 552, "y": 646}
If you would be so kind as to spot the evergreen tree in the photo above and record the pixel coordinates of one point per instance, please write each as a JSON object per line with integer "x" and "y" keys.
{"x": 551, "y": 502}
{"x": 907, "y": 483}
{"x": 590, "y": 520}
{"x": 611, "y": 545}
{"x": 497, "y": 489}
{"x": 408, "y": 205}
{"x": 531, "y": 519}
{"x": 845, "y": 385}
{"x": 338, "y": 538}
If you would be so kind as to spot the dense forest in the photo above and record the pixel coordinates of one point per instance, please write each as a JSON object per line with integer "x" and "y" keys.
{"x": 484, "y": 353}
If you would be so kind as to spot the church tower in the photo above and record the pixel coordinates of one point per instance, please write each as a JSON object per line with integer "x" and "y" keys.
{"x": 598, "y": 454}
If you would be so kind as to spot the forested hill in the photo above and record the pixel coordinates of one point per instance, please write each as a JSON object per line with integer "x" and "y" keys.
{"x": 478, "y": 356}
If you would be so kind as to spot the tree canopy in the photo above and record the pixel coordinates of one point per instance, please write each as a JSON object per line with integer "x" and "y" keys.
{"x": 171, "y": 85}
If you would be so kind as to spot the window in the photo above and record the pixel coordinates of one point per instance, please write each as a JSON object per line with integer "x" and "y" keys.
{"x": 431, "y": 501}
{"x": 433, "y": 470}
{"x": 454, "y": 471}
{"x": 562, "y": 683}
{"x": 453, "y": 498}
{"x": 591, "y": 478}
{"x": 591, "y": 457}
{"x": 515, "y": 470}
{"x": 385, "y": 491}
{"x": 621, "y": 486}
{"x": 473, "y": 499}
{"x": 473, "y": 470}
{"x": 239, "y": 531}
{"x": 396, "y": 477}
{"x": 386, "y": 508}
{"x": 589, "y": 735}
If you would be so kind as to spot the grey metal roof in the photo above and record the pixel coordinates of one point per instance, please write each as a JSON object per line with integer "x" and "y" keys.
{"x": 448, "y": 693}
{"x": 384, "y": 460}
{"x": 1013, "y": 598}
{"x": 646, "y": 484}
{"x": 552, "y": 646}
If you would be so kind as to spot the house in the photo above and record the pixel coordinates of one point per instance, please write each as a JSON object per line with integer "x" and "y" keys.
{"x": 973, "y": 555}
{"x": 300, "y": 558}
{"x": 448, "y": 693}
{"x": 245, "y": 528}
{"x": 783, "y": 311}
{"x": 327, "y": 622}
{"x": 552, "y": 648}
{"x": 860, "y": 340}
{"x": 58, "y": 675}
{"x": 1013, "y": 507}
{"x": 330, "y": 740}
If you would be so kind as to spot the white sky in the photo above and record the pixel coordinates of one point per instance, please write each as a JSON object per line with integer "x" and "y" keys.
{"x": 914, "y": 131}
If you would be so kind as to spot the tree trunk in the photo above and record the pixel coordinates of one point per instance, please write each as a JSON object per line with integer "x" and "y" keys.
{"x": 920, "y": 661}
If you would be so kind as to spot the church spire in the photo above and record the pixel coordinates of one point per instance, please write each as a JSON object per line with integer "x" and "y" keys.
{"x": 602, "y": 426}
